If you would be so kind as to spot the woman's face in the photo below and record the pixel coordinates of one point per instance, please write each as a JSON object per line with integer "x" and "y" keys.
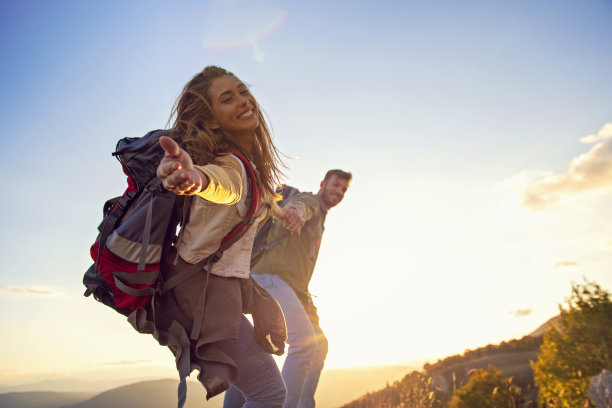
{"x": 234, "y": 107}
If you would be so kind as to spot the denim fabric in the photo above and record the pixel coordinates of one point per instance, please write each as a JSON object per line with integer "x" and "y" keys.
{"x": 306, "y": 353}
{"x": 259, "y": 379}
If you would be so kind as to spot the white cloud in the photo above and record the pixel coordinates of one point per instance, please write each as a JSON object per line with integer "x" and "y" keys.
{"x": 604, "y": 133}
{"x": 34, "y": 291}
{"x": 522, "y": 312}
{"x": 589, "y": 139}
{"x": 587, "y": 172}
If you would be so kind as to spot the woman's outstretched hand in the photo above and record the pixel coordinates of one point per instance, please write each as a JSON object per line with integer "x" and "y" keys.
{"x": 176, "y": 170}
{"x": 293, "y": 220}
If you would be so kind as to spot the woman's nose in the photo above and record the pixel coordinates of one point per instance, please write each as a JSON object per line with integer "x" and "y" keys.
{"x": 242, "y": 100}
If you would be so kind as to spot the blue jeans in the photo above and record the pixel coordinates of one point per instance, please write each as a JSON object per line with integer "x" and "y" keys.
{"x": 306, "y": 353}
{"x": 259, "y": 379}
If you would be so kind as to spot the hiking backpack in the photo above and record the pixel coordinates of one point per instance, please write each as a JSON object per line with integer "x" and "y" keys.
{"x": 138, "y": 226}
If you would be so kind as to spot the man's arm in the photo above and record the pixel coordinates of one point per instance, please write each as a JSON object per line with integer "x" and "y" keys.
{"x": 299, "y": 210}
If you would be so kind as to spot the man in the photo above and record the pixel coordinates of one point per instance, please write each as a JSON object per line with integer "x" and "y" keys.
{"x": 284, "y": 270}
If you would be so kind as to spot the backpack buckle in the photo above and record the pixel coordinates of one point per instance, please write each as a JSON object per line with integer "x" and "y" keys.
{"x": 124, "y": 201}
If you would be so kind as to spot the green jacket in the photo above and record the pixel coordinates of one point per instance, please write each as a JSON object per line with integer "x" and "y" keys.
{"x": 293, "y": 257}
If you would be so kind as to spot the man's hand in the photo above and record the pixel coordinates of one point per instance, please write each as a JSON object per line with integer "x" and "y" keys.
{"x": 176, "y": 170}
{"x": 293, "y": 220}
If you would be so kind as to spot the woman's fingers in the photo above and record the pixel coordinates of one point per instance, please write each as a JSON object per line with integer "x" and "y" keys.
{"x": 176, "y": 169}
{"x": 183, "y": 182}
{"x": 167, "y": 167}
{"x": 174, "y": 158}
{"x": 170, "y": 146}
{"x": 293, "y": 220}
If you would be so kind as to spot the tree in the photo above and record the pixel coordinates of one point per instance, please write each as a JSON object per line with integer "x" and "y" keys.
{"x": 576, "y": 347}
{"x": 487, "y": 389}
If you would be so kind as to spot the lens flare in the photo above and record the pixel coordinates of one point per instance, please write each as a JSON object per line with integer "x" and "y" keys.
{"x": 233, "y": 26}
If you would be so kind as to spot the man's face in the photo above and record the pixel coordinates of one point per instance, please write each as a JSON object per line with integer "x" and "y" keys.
{"x": 332, "y": 191}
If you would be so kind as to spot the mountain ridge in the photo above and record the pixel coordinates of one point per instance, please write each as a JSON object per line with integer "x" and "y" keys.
{"x": 337, "y": 386}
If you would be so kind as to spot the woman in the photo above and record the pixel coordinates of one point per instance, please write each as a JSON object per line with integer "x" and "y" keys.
{"x": 216, "y": 115}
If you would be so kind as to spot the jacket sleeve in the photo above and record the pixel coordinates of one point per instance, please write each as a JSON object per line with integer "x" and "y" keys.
{"x": 225, "y": 175}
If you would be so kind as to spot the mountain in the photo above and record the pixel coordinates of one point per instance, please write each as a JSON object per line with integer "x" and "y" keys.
{"x": 74, "y": 384}
{"x": 335, "y": 388}
{"x": 339, "y": 386}
{"x": 513, "y": 358}
{"x": 150, "y": 394}
{"x": 540, "y": 330}
{"x": 42, "y": 399}
{"x": 512, "y": 364}
{"x": 145, "y": 394}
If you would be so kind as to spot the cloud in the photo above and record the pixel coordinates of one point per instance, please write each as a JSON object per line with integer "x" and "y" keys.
{"x": 562, "y": 264}
{"x": 605, "y": 133}
{"x": 587, "y": 172}
{"x": 521, "y": 312}
{"x": 26, "y": 291}
{"x": 589, "y": 139}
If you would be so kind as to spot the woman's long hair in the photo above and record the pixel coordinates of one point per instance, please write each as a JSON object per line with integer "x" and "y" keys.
{"x": 192, "y": 112}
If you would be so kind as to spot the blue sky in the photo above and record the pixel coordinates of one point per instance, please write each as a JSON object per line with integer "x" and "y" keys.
{"x": 446, "y": 113}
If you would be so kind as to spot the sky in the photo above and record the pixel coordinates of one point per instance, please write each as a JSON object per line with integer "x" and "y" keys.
{"x": 479, "y": 135}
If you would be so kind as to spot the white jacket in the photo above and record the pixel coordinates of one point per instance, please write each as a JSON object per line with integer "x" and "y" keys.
{"x": 214, "y": 212}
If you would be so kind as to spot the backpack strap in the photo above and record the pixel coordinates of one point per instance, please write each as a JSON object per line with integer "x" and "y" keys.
{"x": 110, "y": 220}
{"x": 232, "y": 237}
{"x": 122, "y": 280}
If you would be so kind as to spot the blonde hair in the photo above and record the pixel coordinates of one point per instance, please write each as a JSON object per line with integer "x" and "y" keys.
{"x": 192, "y": 112}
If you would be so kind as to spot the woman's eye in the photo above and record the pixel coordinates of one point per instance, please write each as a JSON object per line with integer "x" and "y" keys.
{"x": 244, "y": 92}
{"x": 226, "y": 100}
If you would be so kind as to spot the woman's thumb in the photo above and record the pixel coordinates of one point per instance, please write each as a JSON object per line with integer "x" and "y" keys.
{"x": 169, "y": 145}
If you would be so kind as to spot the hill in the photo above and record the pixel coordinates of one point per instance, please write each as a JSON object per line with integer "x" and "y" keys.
{"x": 540, "y": 330}
{"x": 336, "y": 387}
{"x": 512, "y": 358}
{"x": 42, "y": 399}
{"x": 512, "y": 364}
{"x": 150, "y": 394}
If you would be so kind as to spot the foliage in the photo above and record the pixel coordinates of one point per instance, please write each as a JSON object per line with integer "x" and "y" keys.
{"x": 416, "y": 389}
{"x": 413, "y": 391}
{"x": 576, "y": 348}
{"x": 487, "y": 389}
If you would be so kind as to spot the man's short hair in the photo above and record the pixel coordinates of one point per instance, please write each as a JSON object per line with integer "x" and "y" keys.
{"x": 340, "y": 174}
